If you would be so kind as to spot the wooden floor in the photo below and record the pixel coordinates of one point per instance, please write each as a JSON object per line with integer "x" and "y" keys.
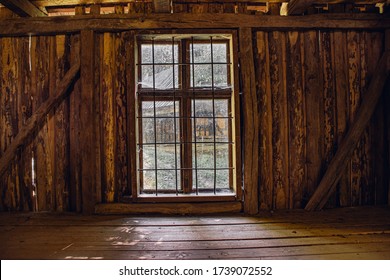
{"x": 349, "y": 233}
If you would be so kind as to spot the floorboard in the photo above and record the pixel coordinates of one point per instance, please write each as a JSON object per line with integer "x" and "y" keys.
{"x": 346, "y": 233}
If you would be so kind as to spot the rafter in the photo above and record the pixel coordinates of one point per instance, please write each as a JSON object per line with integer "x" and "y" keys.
{"x": 23, "y": 8}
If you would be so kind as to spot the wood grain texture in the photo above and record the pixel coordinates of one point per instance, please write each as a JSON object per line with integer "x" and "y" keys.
{"x": 87, "y": 128}
{"x": 345, "y": 150}
{"x": 296, "y": 119}
{"x": 314, "y": 112}
{"x": 265, "y": 122}
{"x": 251, "y": 122}
{"x": 277, "y": 46}
{"x": 116, "y": 22}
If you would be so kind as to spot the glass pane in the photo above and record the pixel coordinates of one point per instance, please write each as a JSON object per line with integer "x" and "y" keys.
{"x": 205, "y": 179}
{"x": 202, "y": 107}
{"x": 165, "y": 130}
{"x": 148, "y": 157}
{"x": 162, "y": 78}
{"x": 220, "y": 76}
{"x": 204, "y": 129}
{"x": 204, "y": 155}
{"x": 222, "y": 155}
{"x": 162, "y": 53}
{"x": 162, "y": 108}
{"x": 149, "y": 180}
{"x": 200, "y": 53}
{"x": 222, "y": 181}
{"x": 148, "y": 130}
{"x": 166, "y": 180}
{"x": 146, "y": 53}
{"x": 201, "y": 76}
{"x": 166, "y": 156}
{"x": 219, "y": 52}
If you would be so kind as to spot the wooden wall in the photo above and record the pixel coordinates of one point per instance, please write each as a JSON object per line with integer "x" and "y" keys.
{"x": 309, "y": 86}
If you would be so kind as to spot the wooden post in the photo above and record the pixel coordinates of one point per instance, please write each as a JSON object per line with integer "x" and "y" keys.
{"x": 89, "y": 176}
{"x": 39, "y": 116}
{"x": 345, "y": 150}
{"x": 251, "y": 122}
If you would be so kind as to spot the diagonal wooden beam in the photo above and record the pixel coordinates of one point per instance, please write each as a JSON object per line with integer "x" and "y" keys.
{"x": 23, "y": 8}
{"x": 296, "y": 7}
{"x": 337, "y": 166}
{"x": 39, "y": 116}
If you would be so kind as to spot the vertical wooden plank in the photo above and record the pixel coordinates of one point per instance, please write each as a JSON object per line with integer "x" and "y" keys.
{"x": 87, "y": 115}
{"x": 354, "y": 78}
{"x": 9, "y": 184}
{"x": 98, "y": 112}
{"x": 277, "y": 45}
{"x": 342, "y": 105}
{"x": 265, "y": 122}
{"x": 74, "y": 132}
{"x": 375, "y": 192}
{"x": 314, "y": 108}
{"x": 251, "y": 122}
{"x": 131, "y": 113}
{"x": 108, "y": 117}
{"x": 43, "y": 143}
{"x": 121, "y": 114}
{"x": 329, "y": 101}
{"x": 61, "y": 126}
{"x": 296, "y": 113}
{"x": 25, "y": 105}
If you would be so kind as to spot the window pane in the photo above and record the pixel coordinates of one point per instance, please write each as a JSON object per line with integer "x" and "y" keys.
{"x": 162, "y": 108}
{"x": 222, "y": 155}
{"x": 162, "y": 53}
{"x": 204, "y": 155}
{"x": 148, "y": 157}
{"x": 166, "y": 156}
{"x": 149, "y": 180}
{"x": 220, "y": 75}
{"x": 219, "y": 53}
{"x": 148, "y": 130}
{"x": 166, "y": 180}
{"x": 159, "y": 77}
{"x": 200, "y": 53}
{"x": 201, "y": 76}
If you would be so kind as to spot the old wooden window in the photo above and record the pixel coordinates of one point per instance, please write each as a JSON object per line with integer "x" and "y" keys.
{"x": 186, "y": 116}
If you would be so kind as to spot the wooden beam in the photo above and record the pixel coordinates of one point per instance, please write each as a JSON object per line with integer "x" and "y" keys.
{"x": 162, "y": 6}
{"x": 337, "y": 165}
{"x": 115, "y": 23}
{"x": 89, "y": 177}
{"x": 168, "y": 208}
{"x": 23, "y": 8}
{"x": 251, "y": 122}
{"x": 36, "y": 120}
{"x": 296, "y": 7}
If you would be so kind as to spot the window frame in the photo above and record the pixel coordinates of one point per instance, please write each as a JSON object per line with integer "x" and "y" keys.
{"x": 186, "y": 92}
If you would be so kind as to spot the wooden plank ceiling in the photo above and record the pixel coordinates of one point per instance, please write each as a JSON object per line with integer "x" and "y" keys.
{"x": 38, "y": 8}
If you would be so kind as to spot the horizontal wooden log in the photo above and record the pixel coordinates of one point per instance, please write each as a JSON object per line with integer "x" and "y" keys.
{"x": 168, "y": 208}
{"x": 363, "y": 115}
{"x": 39, "y": 116}
{"x": 114, "y": 23}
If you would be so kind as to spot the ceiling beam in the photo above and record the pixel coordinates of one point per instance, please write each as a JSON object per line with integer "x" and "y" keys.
{"x": 23, "y": 8}
{"x": 113, "y": 23}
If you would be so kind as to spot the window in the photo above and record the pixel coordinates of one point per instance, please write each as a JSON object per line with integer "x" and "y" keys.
{"x": 186, "y": 116}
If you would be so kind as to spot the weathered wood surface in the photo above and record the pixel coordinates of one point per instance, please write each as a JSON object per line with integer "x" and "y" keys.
{"x": 23, "y": 8}
{"x": 250, "y": 131}
{"x": 345, "y": 150}
{"x": 114, "y": 22}
{"x": 350, "y": 233}
{"x": 38, "y": 117}
{"x": 320, "y": 70}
